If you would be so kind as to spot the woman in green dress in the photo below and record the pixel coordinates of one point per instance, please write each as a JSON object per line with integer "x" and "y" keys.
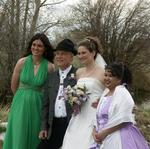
{"x": 29, "y": 76}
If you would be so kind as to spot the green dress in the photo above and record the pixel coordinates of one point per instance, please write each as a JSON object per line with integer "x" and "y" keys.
{"x": 25, "y": 113}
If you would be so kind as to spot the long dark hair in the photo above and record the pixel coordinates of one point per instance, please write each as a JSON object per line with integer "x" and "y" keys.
{"x": 48, "y": 53}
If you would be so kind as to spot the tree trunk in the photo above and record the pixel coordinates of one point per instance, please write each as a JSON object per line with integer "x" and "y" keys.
{"x": 35, "y": 18}
{"x": 24, "y": 32}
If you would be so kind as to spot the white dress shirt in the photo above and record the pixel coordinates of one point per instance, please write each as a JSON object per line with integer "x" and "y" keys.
{"x": 60, "y": 107}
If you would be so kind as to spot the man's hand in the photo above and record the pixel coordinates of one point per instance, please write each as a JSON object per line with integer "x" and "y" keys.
{"x": 43, "y": 134}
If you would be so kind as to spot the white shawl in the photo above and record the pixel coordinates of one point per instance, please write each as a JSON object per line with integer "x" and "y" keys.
{"x": 121, "y": 107}
{"x": 120, "y": 111}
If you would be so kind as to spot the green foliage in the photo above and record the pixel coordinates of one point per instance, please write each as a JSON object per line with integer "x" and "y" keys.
{"x": 2, "y": 129}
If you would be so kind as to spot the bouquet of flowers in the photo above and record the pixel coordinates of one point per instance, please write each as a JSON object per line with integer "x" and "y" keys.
{"x": 76, "y": 96}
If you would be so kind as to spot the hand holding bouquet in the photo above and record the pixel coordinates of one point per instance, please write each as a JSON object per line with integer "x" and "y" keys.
{"x": 76, "y": 96}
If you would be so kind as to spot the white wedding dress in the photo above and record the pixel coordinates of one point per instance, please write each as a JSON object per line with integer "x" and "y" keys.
{"x": 79, "y": 132}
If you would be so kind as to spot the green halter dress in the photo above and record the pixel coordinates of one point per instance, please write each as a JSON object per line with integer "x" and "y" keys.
{"x": 25, "y": 113}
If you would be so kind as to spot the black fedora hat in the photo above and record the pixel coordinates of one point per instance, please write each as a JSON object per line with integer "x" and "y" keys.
{"x": 66, "y": 45}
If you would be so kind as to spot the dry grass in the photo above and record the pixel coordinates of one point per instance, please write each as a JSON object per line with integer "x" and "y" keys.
{"x": 3, "y": 116}
{"x": 1, "y": 143}
{"x": 4, "y": 113}
{"x": 142, "y": 118}
{"x": 143, "y": 122}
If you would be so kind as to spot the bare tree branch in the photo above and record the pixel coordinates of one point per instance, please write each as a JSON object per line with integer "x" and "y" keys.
{"x": 54, "y": 3}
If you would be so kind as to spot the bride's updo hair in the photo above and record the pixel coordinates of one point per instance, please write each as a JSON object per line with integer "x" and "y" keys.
{"x": 92, "y": 44}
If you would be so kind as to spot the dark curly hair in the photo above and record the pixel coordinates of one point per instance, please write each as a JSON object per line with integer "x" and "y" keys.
{"x": 121, "y": 71}
{"x": 48, "y": 53}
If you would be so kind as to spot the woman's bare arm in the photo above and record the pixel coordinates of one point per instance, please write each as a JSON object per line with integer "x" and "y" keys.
{"x": 16, "y": 75}
{"x": 104, "y": 133}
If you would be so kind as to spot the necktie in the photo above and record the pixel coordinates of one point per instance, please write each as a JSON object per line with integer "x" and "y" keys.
{"x": 61, "y": 90}
{"x": 62, "y": 76}
{"x": 60, "y": 108}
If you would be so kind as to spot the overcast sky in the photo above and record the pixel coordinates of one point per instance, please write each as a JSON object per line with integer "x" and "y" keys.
{"x": 68, "y": 2}
{"x": 63, "y": 6}
{"x": 62, "y": 9}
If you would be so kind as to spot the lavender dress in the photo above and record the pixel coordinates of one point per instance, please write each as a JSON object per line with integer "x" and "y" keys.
{"x": 130, "y": 136}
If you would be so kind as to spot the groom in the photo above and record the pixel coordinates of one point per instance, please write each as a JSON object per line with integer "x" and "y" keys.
{"x": 56, "y": 112}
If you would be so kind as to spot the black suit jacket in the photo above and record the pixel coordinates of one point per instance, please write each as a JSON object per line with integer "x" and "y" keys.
{"x": 50, "y": 94}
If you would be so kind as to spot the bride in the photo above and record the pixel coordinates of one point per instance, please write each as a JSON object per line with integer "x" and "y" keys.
{"x": 79, "y": 132}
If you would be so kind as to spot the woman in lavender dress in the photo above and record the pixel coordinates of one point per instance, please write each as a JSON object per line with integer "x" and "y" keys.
{"x": 114, "y": 128}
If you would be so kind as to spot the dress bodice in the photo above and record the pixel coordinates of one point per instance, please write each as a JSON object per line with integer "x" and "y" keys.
{"x": 102, "y": 112}
{"x": 94, "y": 87}
{"x": 27, "y": 76}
